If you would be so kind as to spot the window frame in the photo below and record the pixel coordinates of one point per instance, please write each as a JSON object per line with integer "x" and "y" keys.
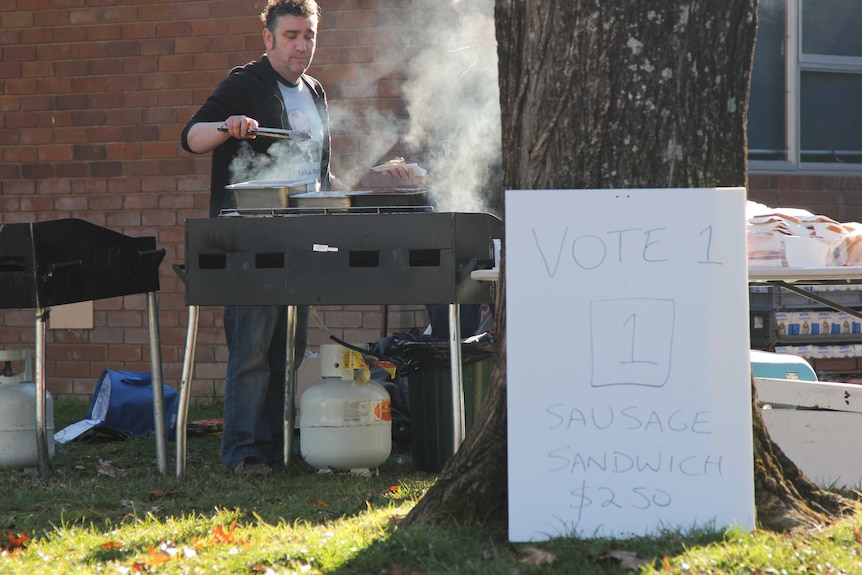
{"x": 796, "y": 63}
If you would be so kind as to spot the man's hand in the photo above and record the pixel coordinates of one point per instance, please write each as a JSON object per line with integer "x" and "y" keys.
{"x": 238, "y": 127}
{"x": 204, "y": 137}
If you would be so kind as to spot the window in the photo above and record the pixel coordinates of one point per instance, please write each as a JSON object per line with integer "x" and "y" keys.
{"x": 805, "y": 109}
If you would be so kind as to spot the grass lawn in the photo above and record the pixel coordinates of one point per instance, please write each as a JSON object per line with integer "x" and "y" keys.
{"x": 106, "y": 509}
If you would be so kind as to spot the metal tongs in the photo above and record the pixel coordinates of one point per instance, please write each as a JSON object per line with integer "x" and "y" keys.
{"x": 275, "y": 133}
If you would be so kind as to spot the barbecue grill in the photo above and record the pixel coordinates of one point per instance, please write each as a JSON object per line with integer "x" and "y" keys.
{"x": 57, "y": 262}
{"x": 335, "y": 256}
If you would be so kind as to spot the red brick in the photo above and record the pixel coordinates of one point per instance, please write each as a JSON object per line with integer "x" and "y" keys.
{"x": 71, "y": 102}
{"x": 142, "y": 168}
{"x": 112, "y": 32}
{"x": 209, "y": 27}
{"x": 10, "y": 37}
{"x": 123, "y": 150}
{"x": 175, "y": 30}
{"x": 72, "y": 171}
{"x": 37, "y": 69}
{"x": 124, "y": 219}
{"x": 140, "y": 65}
{"x": 159, "y": 218}
{"x": 69, "y": 135}
{"x": 191, "y": 45}
{"x": 17, "y": 19}
{"x": 18, "y": 121}
{"x": 68, "y": 369}
{"x": 159, "y": 149}
{"x": 108, "y": 100}
{"x": 65, "y": 33}
{"x": 19, "y": 53}
{"x": 192, "y": 10}
{"x": 36, "y": 204}
{"x": 141, "y": 201}
{"x": 138, "y": 30}
{"x": 21, "y": 87}
{"x": 124, "y": 353}
{"x": 158, "y": 47}
{"x": 120, "y": 14}
{"x": 106, "y": 169}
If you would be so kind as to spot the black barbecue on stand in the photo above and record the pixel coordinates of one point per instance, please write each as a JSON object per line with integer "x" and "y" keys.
{"x": 56, "y": 262}
{"x": 344, "y": 255}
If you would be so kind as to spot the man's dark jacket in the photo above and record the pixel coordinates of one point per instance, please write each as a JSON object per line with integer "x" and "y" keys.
{"x": 252, "y": 90}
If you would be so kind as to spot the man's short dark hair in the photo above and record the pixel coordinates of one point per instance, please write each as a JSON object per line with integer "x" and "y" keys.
{"x": 276, "y": 8}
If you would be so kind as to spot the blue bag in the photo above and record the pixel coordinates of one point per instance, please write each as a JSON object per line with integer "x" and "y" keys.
{"x": 123, "y": 403}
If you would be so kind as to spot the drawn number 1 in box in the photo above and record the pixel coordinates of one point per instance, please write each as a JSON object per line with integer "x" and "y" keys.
{"x": 632, "y": 341}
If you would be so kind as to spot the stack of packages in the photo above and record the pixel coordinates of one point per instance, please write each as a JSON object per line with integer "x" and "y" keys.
{"x": 795, "y": 238}
{"x": 790, "y": 237}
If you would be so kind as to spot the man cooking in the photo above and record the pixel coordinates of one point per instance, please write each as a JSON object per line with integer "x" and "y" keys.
{"x": 272, "y": 92}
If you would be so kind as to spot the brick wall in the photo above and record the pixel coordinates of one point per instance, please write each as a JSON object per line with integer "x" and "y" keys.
{"x": 94, "y": 96}
{"x": 836, "y": 196}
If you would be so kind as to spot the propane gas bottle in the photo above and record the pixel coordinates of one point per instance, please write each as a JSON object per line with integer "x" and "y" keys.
{"x": 345, "y": 419}
{"x": 18, "y": 448}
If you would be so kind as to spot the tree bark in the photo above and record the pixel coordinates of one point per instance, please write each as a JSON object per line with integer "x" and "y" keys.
{"x": 626, "y": 94}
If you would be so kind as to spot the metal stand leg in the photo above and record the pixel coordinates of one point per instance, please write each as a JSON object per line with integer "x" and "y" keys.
{"x": 290, "y": 385}
{"x": 458, "y": 418}
{"x": 158, "y": 389}
{"x": 41, "y": 395}
{"x": 186, "y": 389}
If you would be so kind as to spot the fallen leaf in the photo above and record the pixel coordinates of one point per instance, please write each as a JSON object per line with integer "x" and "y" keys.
{"x": 536, "y": 556}
{"x": 155, "y": 556}
{"x": 219, "y": 535}
{"x": 16, "y": 541}
{"x": 628, "y": 559}
{"x": 857, "y": 534}
{"x": 320, "y": 502}
{"x": 159, "y": 493}
{"x": 393, "y": 490}
{"x": 111, "y": 545}
{"x": 107, "y": 468}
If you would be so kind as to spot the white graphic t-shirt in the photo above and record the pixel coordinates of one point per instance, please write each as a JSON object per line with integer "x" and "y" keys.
{"x": 302, "y": 158}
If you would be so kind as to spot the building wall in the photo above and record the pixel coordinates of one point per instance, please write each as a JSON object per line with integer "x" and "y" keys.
{"x": 837, "y": 196}
{"x": 94, "y": 96}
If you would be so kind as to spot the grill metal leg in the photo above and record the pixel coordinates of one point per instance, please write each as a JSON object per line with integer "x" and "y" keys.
{"x": 158, "y": 388}
{"x": 186, "y": 389}
{"x": 41, "y": 395}
{"x": 290, "y": 385}
{"x": 458, "y": 418}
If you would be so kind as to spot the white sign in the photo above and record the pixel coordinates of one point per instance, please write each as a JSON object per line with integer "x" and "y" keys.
{"x": 629, "y": 392}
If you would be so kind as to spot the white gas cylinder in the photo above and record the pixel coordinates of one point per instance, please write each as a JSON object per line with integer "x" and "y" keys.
{"x": 344, "y": 424}
{"x": 18, "y": 425}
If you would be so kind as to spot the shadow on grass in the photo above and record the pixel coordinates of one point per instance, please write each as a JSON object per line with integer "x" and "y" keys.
{"x": 106, "y": 482}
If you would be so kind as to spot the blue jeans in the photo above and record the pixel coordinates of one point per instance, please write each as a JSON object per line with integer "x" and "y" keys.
{"x": 254, "y": 384}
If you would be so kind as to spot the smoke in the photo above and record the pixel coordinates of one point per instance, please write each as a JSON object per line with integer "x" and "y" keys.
{"x": 453, "y": 102}
{"x": 446, "y": 75}
{"x": 247, "y": 165}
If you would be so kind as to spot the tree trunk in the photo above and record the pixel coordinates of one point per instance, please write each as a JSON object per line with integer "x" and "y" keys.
{"x": 626, "y": 94}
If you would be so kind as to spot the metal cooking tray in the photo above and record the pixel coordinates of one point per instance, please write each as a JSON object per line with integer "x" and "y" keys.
{"x": 390, "y": 197}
